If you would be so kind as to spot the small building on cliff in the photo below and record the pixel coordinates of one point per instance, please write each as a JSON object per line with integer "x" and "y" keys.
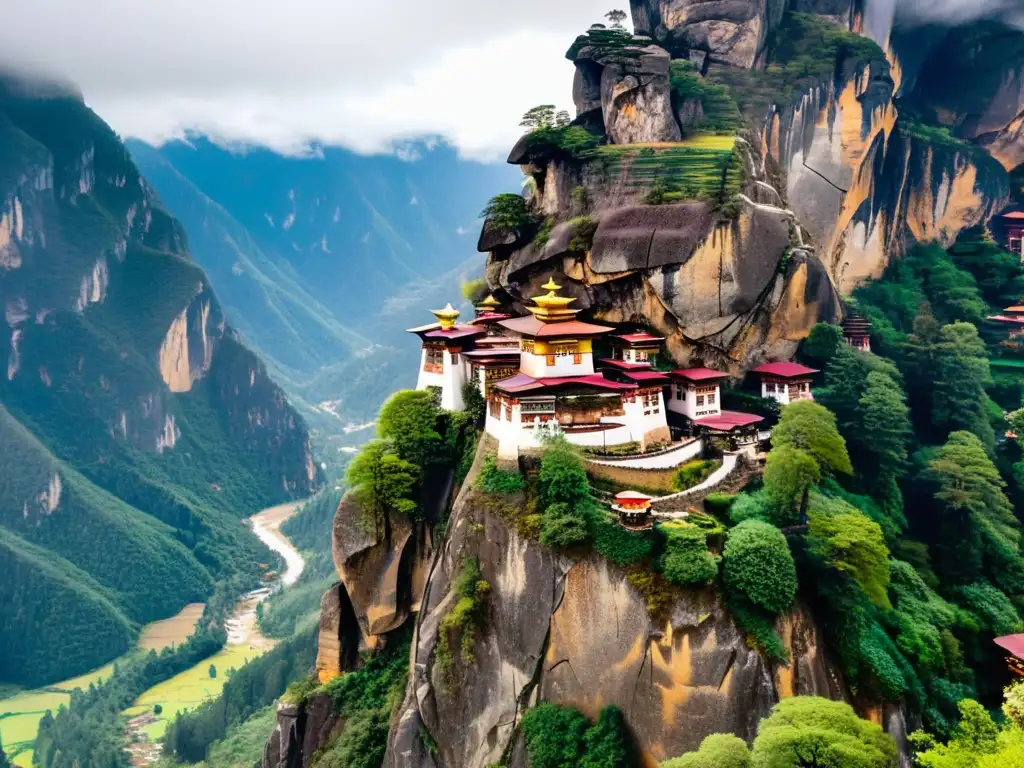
{"x": 1013, "y": 229}
{"x": 695, "y": 398}
{"x": 857, "y": 332}
{"x": 1013, "y": 318}
{"x": 786, "y": 382}
{"x": 442, "y": 363}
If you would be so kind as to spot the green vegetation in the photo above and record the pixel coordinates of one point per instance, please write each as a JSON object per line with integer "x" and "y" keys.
{"x": 977, "y": 741}
{"x": 382, "y": 483}
{"x": 561, "y": 737}
{"x": 498, "y": 481}
{"x": 702, "y": 166}
{"x": 583, "y": 230}
{"x": 508, "y": 211}
{"x": 694, "y": 473}
{"x": 805, "y": 50}
{"x": 801, "y": 732}
{"x": 758, "y": 566}
{"x": 463, "y": 621}
{"x": 474, "y": 291}
{"x": 687, "y": 560}
{"x": 707, "y": 105}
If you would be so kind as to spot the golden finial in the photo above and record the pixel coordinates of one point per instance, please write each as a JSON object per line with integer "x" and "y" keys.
{"x": 490, "y": 302}
{"x": 550, "y": 286}
{"x": 446, "y": 317}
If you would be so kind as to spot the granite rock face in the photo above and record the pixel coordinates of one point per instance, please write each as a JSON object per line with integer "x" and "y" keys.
{"x": 577, "y": 633}
{"x": 629, "y": 84}
{"x": 730, "y": 31}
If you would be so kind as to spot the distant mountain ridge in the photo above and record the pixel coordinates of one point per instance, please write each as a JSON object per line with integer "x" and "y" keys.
{"x": 135, "y": 428}
{"x": 323, "y": 261}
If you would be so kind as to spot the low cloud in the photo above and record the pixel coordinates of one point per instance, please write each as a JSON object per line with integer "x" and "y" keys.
{"x": 961, "y": 11}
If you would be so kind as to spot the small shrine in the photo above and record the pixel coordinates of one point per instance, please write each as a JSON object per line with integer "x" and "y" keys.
{"x": 696, "y": 392}
{"x": 857, "y": 332}
{"x": 634, "y": 509}
{"x": 1013, "y": 317}
{"x": 639, "y": 348}
{"x": 488, "y": 314}
{"x": 1013, "y": 228}
{"x": 786, "y": 382}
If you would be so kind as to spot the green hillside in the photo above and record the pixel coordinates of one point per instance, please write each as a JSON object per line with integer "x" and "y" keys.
{"x": 136, "y": 430}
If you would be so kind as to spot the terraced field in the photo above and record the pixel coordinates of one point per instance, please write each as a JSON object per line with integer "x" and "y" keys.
{"x": 696, "y": 165}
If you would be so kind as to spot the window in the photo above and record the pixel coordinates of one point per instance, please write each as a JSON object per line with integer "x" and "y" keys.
{"x": 711, "y": 399}
{"x": 769, "y": 386}
{"x": 641, "y": 355}
{"x": 495, "y": 408}
{"x": 700, "y": 400}
{"x": 433, "y": 359}
{"x": 526, "y": 345}
{"x": 550, "y": 360}
{"x": 455, "y": 358}
{"x": 577, "y": 359}
{"x": 679, "y": 391}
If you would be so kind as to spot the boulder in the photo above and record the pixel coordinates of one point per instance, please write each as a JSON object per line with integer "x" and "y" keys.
{"x": 729, "y": 31}
{"x": 628, "y": 78}
{"x": 648, "y": 236}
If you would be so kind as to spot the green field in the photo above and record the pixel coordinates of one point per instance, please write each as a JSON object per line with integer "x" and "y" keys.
{"x": 696, "y": 164}
{"x": 191, "y": 688}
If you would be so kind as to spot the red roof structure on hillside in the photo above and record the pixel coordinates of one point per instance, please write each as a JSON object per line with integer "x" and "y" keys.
{"x": 1006, "y": 319}
{"x": 1012, "y": 643}
{"x": 624, "y": 365}
{"x": 786, "y": 370}
{"x": 435, "y": 331}
{"x": 489, "y": 317}
{"x": 523, "y": 383}
{"x": 698, "y": 374}
{"x": 531, "y": 326}
{"x": 1017, "y": 215}
{"x": 639, "y": 338}
{"x": 647, "y": 378}
{"x": 728, "y": 420}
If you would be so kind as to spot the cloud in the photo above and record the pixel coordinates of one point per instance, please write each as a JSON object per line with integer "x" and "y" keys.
{"x": 961, "y": 11}
{"x": 370, "y": 76}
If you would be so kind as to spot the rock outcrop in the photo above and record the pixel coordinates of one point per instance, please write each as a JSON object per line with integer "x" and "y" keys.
{"x": 576, "y": 632}
{"x": 627, "y": 80}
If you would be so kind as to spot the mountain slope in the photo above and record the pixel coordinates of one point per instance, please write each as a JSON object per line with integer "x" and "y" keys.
{"x": 324, "y": 261}
{"x": 136, "y": 429}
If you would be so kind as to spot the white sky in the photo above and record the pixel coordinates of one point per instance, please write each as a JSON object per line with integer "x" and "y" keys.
{"x": 361, "y": 73}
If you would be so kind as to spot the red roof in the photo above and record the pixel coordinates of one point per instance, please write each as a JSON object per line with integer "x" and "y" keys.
{"x": 1012, "y": 643}
{"x": 785, "y": 370}
{"x": 647, "y": 377}
{"x": 1006, "y": 319}
{"x": 523, "y": 383}
{"x": 489, "y": 317}
{"x": 726, "y": 421}
{"x": 639, "y": 338}
{"x": 698, "y": 374}
{"x": 633, "y": 495}
{"x": 531, "y": 326}
{"x": 624, "y": 365}
{"x": 435, "y": 331}
{"x": 1014, "y": 215}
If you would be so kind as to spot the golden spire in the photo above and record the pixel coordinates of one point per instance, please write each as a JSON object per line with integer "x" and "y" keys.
{"x": 552, "y": 308}
{"x": 446, "y": 317}
{"x": 490, "y": 302}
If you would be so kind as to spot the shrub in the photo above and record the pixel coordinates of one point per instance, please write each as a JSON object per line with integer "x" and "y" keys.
{"x": 475, "y": 403}
{"x": 583, "y": 230}
{"x": 463, "y": 620}
{"x": 719, "y": 504}
{"x": 694, "y": 473}
{"x": 758, "y": 565}
{"x": 498, "y": 481}
{"x": 474, "y": 291}
{"x": 719, "y": 750}
{"x": 617, "y": 544}
{"x": 508, "y": 211}
{"x": 544, "y": 233}
{"x": 658, "y": 592}
{"x": 562, "y": 477}
{"x": 687, "y": 560}
{"x": 751, "y": 506}
{"x": 562, "y": 526}
{"x": 561, "y": 737}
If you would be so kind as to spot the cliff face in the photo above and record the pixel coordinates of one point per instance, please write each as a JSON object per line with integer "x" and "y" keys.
{"x": 578, "y": 633}
{"x": 115, "y": 361}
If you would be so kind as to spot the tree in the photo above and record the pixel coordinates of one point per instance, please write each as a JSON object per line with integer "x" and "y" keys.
{"x": 616, "y": 18}
{"x": 562, "y": 477}
{"x": 4, "y": 762}
{"x": 606, "y": 743}
{"x": 961, "y": 374}
{"x": 719, "y": 750}
{"x": 811, "y": 732}
{"x": 554, "y": 736}
{"x": 885, "y": 428}
{"x": 508, "y": 211}
{"x": 851, "y": 543}
{"x": 381, "y": 482}
{"x": 789, "y": 475}
{"x": 212, "y": 671}
{"x": 474, "y": 291}
{"x": 822, "y": 343}
{"x": 687, "y": 560}
{"x": 542, "y": 116}
{"x": 562, "y": 526}
{"x": 474, "y": 402}
{"x": 562, "y": 119}
{"x": 408, "y": 419}
{"x": 158, "y": 709}
{"x": 758, "y": 565}
{"x": 811, "y": 427}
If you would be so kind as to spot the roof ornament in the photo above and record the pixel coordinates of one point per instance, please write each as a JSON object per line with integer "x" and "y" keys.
{"x": 446, "y": 317}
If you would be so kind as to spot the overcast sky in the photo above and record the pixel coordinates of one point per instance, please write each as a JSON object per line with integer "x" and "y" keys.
{"x": 362, "y": 73}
